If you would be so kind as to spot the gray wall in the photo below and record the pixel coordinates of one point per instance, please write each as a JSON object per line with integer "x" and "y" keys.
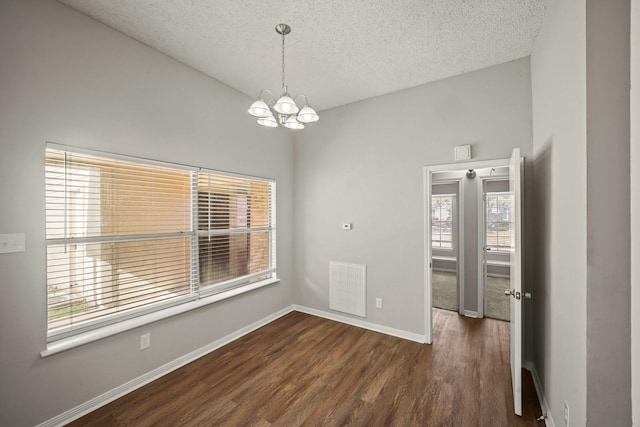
{"x": 68, "y": 79}
{"x": 580, "y": 75}
{"x": 608, "y": 220}
{"x": 635, "y": 208}
{"x": 497, "y": 186}
{"x": 470, "y": 218}
{"x": 365, "y": 165}
{"x": 558, "y": 80}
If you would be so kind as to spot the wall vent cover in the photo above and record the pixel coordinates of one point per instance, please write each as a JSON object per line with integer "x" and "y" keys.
{"x": 347, "y": 288}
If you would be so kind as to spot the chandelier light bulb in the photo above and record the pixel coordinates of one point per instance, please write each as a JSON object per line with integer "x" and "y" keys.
{"x": 285, "y": 105}
{"x": 268, "y": 121}
{"x": 259, "y": 109}
{"x": 292, "y": 123}
{"x": 307, "y": 115}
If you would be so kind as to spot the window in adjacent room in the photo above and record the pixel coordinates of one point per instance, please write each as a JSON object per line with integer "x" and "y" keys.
{"x": 442, "y": 210}
{"x": 126, "y": 236}
{"x": 499, "y": 222}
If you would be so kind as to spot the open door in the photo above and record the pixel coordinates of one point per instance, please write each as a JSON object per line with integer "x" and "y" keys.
{"x": 516, "y": 295}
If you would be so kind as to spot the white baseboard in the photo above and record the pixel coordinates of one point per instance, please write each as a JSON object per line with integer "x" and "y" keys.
{"x": 411, "y": 336}
{"x": 128, "y": 387}
{"x": 470, "y": 313}
{"x": 544, "y": 406}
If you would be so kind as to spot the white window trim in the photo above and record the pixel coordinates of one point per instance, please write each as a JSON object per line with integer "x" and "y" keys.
{"x": 64, "y": 344}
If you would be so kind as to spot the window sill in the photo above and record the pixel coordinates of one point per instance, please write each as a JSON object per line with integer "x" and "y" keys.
{"x": 498, "y": 263}
{"x": 444, "y": 258}
{"x": 107, "y": 331}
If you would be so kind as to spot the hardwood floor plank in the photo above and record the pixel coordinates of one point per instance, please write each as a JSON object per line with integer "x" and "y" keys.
{"x": 302, "y": 370}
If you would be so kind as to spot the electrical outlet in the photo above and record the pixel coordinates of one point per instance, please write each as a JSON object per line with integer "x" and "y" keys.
{"x": 566, "y": 413}
{"x": 145, "y": 341}
{"x": 378, "y": 302}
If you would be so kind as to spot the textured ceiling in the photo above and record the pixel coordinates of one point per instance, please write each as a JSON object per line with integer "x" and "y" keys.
{"x": 339, "y": 51}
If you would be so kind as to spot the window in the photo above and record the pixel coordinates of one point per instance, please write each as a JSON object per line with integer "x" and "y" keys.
{"x": 234, "y": 231}
{"x": 442, "y": 207}
{"x": 498, "y": 222}
{"x": 126, "y": 237}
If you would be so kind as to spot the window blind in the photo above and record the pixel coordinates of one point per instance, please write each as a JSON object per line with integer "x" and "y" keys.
{"x": 118, "y": 239}
{"x": 235, "y": 231}
{"x": 127, "y": 237}
{"x": 442, "y": 210}
{"x": 499, "y": 224}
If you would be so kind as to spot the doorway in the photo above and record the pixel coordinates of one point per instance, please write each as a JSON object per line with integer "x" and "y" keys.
{"x": 469, "y": 265}
{"x": 515, "y": 166}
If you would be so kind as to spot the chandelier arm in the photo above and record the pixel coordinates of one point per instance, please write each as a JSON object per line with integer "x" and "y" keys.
{"x": 306, "y": 101}
{"x": 267, "y": 91}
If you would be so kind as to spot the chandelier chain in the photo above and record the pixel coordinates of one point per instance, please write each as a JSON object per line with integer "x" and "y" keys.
{"x": 283, "y": 86}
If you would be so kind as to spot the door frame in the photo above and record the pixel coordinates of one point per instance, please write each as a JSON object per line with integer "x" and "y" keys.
{"x": 427, "y": 179}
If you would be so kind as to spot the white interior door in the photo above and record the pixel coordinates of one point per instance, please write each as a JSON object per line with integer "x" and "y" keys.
{"x": 515, "y": 188}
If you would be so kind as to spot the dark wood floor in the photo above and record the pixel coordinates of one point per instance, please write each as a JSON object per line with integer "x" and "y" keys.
{"x": 302, "y": 370}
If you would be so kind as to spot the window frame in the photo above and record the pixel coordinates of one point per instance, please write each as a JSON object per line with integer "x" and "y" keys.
{"x": 61, "y": 339}
{"x": 497, "y": 249}
{"x": 212, "y": 289}
{"x": 454, "y": 200}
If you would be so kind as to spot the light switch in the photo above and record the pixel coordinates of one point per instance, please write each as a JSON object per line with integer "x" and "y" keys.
{"x": 11, "y": 243}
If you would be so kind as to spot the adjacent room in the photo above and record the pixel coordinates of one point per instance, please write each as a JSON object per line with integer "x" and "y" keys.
{"x": 472, "y": 241}
{"x": 319, "y": 213}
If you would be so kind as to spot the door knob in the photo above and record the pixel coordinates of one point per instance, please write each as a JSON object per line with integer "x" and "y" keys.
{"x": 516, "y": 295}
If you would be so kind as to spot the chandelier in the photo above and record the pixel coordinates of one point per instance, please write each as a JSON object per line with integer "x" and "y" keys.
{"x": 285, "y": 109}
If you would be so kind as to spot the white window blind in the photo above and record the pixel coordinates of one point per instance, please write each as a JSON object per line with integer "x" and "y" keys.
{"x": 499, "y": 222}
{"x": 235, "y": 231}
{"x": 127, "y": 237}
{"x": 442, "y": 212}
